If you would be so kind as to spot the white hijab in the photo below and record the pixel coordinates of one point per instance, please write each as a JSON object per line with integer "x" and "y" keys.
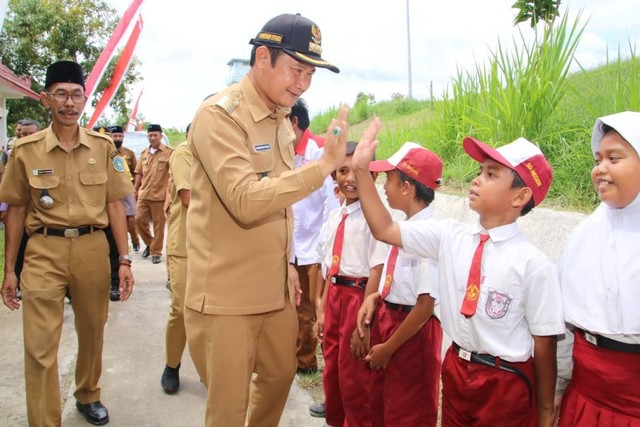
{"x": 600, "y": 265}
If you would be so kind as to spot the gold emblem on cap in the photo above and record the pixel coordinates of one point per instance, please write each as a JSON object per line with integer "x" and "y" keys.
{"x": 92, "y": 161}
{"x": 316, "y": 35}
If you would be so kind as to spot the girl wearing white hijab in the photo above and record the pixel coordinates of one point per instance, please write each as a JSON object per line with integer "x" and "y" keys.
{"x": 600, "y": 280}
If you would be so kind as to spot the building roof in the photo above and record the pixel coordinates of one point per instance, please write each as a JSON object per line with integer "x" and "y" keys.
{"x": 15, "y": 85}
{"x": 238, "y": 61}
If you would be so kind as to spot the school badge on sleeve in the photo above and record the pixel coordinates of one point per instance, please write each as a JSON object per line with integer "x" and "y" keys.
{"x": 118, "y": 164}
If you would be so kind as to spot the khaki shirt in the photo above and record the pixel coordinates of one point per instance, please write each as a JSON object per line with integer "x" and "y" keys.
{"x": 239, "y": 221}
{"x": 154, "y": 169}
{"x": 130, "y": 157}
{"x": 80, "y": 182}
{"x": 180, "y": 170}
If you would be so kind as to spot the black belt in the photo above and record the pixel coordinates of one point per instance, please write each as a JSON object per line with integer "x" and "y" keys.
{"x": 608, "y": 343}
{"x": 67, "y": 232}
{"x": 494, "y": 362}
{"x": 398, "y": 307}
{"x": 353, "y": 282}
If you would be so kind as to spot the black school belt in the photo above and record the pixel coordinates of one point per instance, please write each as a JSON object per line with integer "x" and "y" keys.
{"x": 608, "y": 343}
{"x": 493, "y": 362}
{"x": 398, "y": 307}
{"x": 352, "y": 282}
{"x": 67, "y": 232}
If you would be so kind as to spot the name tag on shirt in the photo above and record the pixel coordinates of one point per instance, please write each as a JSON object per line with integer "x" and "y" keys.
{"x": 38, "y": 172}
{"x": 261, "y": 147}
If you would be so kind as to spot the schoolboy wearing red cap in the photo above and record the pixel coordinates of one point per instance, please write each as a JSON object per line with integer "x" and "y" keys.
{"x": 406, "y": 339}
{"x": 599, "y": 273}
{"x": 498, "y": 293}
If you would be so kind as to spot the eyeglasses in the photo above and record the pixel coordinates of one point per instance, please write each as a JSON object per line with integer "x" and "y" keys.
{"x": 63, "y": 96}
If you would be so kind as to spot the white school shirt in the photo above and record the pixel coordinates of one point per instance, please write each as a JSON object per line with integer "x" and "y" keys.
{"x": 413, "y": 275}
{"x": 311, "y": 212}
{"x": 360, "y": 251}
{"x": 600, "y": 273}
{"x": 519, "y": 290}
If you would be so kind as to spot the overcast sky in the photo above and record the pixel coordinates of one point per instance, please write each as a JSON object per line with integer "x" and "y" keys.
{"x": 185, "y": 45}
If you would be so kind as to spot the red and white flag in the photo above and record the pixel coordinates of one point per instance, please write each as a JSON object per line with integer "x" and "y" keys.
{"x": 118, "y": 74}
{"x": 134, "y": 113}
{"x": 105, "y": 57}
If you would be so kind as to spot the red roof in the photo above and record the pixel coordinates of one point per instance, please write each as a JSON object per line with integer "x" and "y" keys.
{"x": 21, "y": 84}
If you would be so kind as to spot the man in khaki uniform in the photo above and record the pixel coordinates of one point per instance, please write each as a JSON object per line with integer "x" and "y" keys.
{"x": 117, "y": 134}
{"x": 151, "y": 177}
{"x": 176, "y": 339}
{"x": 64, "y": 185}
{"x": 240, "y": 314}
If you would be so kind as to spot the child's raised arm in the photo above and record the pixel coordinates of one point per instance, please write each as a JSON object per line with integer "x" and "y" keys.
{"x": 380, "y": 222}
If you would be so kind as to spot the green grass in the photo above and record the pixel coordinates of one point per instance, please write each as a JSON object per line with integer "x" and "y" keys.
{"x": 523, "y": 90}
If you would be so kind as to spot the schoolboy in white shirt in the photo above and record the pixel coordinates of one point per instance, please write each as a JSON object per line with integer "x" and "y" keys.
{"x": 406, "y": 339}
{"x": 354, "y": 261}
{"x": 599, "y": 277}
{"x": 499, "y": 294}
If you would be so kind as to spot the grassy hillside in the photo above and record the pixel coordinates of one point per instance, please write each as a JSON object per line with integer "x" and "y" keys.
{"x": 564, "y": 135}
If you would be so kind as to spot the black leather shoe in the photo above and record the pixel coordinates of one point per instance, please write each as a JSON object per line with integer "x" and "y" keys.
{"x": 95, "y": 413}
{"x": 146, "y": 253}
{"x": 170, "y": 381}
{"x": 136, "y": 247}
{"x": 155, "y": 259}
{"x": 114, "y": 294}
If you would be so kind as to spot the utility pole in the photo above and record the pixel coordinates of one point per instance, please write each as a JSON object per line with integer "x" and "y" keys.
{"x": 410, "y": 95}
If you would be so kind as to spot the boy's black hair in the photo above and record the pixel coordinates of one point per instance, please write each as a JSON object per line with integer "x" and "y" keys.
{"x": 273, "y": 51}
{"x": 351, "y": 148}
{"x": 424, "y": 194}
{"x": 301, "y": 112}
{"x": 519, "y": 183}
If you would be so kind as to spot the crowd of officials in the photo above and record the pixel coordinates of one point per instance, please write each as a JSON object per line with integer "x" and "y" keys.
{"x": 278, "y": 240}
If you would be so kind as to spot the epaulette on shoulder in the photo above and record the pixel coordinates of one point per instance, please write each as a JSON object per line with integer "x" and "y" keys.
{"x": 99, "y": 135}
{"x": 230, "y": 101}
{"x": 31, "y": 138}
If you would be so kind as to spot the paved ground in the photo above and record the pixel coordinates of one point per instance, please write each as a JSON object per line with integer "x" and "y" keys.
{"x": 133, "y": 363}
{"x": 134, "y": 346}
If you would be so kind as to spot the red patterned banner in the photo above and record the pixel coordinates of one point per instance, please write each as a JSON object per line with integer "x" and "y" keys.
{"x": 105, "y": 57}
{"x": 118, "y": 74}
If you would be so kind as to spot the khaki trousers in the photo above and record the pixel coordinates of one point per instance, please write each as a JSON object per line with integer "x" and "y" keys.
{"x": 176, "y": 338}
{"x": 51, "y": 265}
{"x": 228, "y": 350}
{"x": 307, "y": 342}
{"x": 150, "y": 211}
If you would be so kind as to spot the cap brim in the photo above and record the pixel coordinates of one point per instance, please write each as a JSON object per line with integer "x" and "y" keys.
{"x": 479, "y": 151}
{"x": 316, "y": 62}
{"x": 380, "y": 166}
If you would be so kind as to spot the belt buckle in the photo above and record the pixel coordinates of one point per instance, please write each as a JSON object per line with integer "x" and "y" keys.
{"x": 590, "y": 338}
{"x": 464, "y": 354}
{"x": 71, "y": 232}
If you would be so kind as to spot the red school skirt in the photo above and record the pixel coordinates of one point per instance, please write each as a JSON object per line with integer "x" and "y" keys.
{"x": 604, "y": 390}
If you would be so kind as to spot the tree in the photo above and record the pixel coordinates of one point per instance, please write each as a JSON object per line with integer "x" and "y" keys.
{"x": 39, "y": 32}
{"x": 536, "y": 11}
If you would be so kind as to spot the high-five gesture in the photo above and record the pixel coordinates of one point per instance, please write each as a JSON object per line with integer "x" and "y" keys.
{"x": 367, "y": 146}
{"x": 335, "y": 144}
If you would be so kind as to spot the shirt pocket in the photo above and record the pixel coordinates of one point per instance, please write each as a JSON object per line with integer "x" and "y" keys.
{"x": 163, "y": 165}
{"x": 262, "y": 162}
{"x": 42, "y": 185}
{"x": 496, "y": 304}
{"x": 93, "y": 190}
